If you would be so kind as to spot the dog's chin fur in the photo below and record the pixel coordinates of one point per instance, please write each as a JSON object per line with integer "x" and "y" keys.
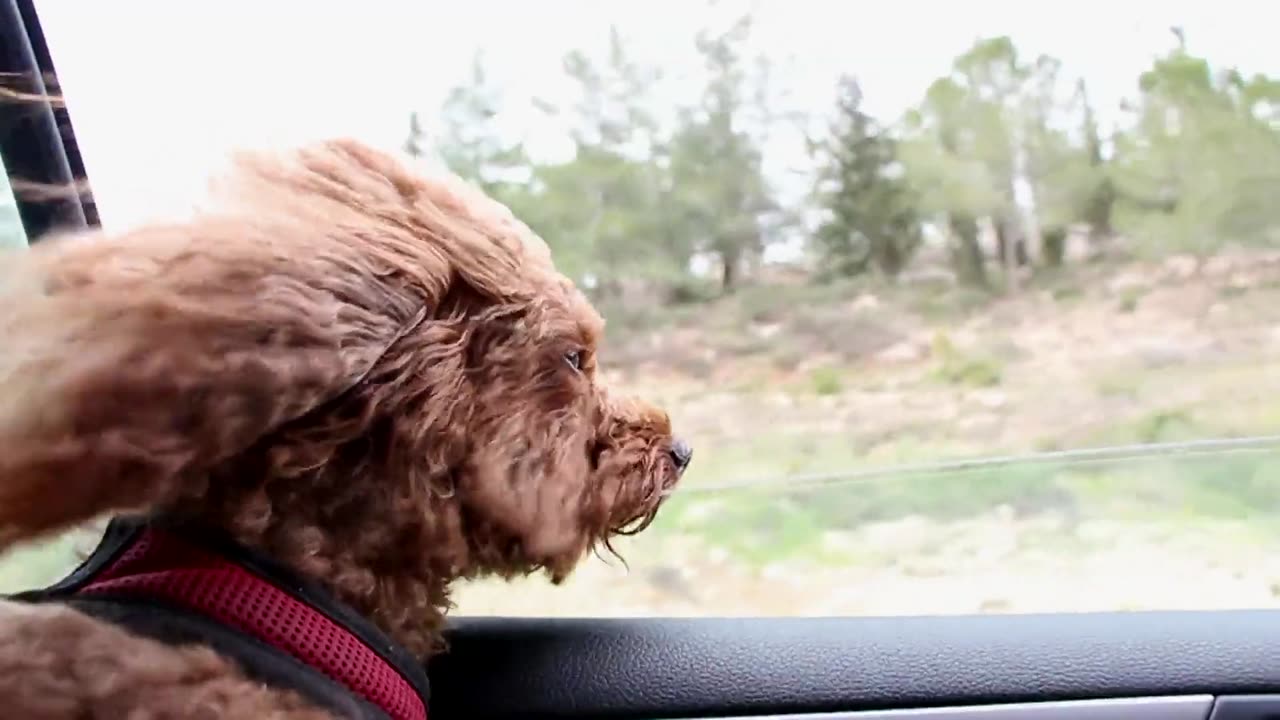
{"x": 365, "y": 374}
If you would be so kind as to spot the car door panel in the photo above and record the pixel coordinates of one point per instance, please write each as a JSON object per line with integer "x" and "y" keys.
{"x": 656, "y": 668}
{"x": 1190, "y": 707}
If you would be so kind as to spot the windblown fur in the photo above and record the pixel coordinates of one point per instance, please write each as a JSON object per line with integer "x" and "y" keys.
{"x": 375, "y": 378}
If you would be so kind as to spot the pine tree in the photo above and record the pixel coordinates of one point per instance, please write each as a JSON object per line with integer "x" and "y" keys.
{"x": 1101, "y": 200}
{"x": 415, "y": 145}
{"x": 724, "y": 198}
{"x": 871, "y": 219}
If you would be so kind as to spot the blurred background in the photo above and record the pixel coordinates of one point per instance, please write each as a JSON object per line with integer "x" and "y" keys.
{"x": 966, "y": 307}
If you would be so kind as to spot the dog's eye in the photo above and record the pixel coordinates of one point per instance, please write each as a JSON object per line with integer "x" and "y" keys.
{"x": 574, "y": 358}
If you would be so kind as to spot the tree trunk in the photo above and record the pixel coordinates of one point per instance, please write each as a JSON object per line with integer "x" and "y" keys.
{"x": 965, "y": 251}
{"x": 1054, "y": 245}
{"x": 728, "y": 273}
{"x": 1008, "y": 233}
{"x": 889, "y": 256}
{"x": 1098, "y": 215}
{"x": 1013, "y": 251}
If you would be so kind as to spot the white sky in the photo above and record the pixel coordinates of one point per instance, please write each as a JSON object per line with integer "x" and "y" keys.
{"x": 161, "y": 90}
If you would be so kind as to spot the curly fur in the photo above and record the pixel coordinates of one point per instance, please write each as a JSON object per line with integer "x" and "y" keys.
{"x": 356, "y": 370}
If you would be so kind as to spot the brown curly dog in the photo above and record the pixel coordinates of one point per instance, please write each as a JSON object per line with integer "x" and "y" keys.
{"x": 378, "y": 381}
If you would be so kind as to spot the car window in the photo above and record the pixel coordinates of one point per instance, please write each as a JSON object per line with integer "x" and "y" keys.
{"x": 964, "y": 308}
{"x": 12, "y": 234}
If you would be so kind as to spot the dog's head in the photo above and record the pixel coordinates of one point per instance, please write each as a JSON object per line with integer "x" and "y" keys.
{"x": 372, "y": 374}
{"x": 553, "y": 462}
{"x": 489, "y": 391}
{"x": 545, "y": 461}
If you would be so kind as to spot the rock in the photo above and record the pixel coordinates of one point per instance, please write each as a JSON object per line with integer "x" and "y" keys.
{"x": 765, "y": 331}
{"x": 671, "y": 580}
{"x": 1128, "y": 281}
{"x": 865, "y": 301}
{"x": 900, "y": 534}
{"x": 1219, "y": 265}
{"x": 990, "y": 399}
{"x": 978, "y": 422}
{"x": 1078, "y": 247}
{"x": 907, "y": 351}
{"x": 781, "y": 400}
{"x": 1162, "y": 353}
{"x": 1180, "y": 267}
{"x": 838, "y": 541}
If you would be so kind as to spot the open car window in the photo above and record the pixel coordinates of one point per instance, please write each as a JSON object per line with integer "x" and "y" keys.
{"x": 950, "y": 445}
{"x": 12, "y": 233}
{"x": 1052, "y": 364}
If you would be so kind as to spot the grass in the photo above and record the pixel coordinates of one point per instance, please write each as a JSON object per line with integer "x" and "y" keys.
{"x": 763, "y": 525}
{"x": 1067, "y": 293}
{"x": 943, "y": 304}
{"x": 955, "y": 367}
{"x": 1118, "y": 384}
{"x": 765, "y": 304}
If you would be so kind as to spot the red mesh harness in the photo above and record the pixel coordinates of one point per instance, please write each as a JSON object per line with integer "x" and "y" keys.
{"x": 158, "y": 565}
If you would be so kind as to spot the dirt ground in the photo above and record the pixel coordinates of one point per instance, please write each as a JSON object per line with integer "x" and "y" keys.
{"x": 989, "y": 564}
{"x": 1147, "y": 353}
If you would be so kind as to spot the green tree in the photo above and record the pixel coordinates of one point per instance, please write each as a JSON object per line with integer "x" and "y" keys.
{"x": 1200, "y": 165}
{"x": 590, "y": 208}
{"x": 470, "y": 141}
{"x": 998, "y": 121}
{"x": 1100, "y": 192}
{"x": 995, "y": 77}
{"x": 607, "y": 200}
{"x": 871, "y": 220}
{"x": 1064, "y": 166}
{"x": 952, "y": 184}
{"x": 721, "y": 197}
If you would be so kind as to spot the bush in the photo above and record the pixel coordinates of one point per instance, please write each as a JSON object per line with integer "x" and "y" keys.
{"x": 1129, "y": 300}
{"x": 826, "y": 381}
{"x": 954, "y": 368}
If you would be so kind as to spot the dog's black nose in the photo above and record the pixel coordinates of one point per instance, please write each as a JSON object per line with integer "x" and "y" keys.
{"x": 681, "y": 453}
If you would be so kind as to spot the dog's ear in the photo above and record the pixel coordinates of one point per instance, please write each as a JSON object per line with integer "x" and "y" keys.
{"x": 130, "y": 364}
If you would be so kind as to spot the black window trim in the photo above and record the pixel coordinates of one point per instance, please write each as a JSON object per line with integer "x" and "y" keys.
{"x": 36, "y": 140}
